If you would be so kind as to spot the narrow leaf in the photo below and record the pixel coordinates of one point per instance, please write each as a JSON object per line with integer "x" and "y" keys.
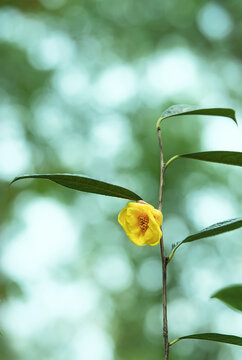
{"x": 228, "y": 339}
{"x": 212, "y": 230}
{"x": 231, "y": 295}
{"x": 221, "y": 157}
{"x": 181, "y": 109}
{"x": 86, "y": 184}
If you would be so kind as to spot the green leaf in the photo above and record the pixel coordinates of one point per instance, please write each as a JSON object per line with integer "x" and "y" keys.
{"x": 181, "y": 109}
{"x": 231, "y": 295}
{"x": 212, "y": 230}
{"x": 221, "y": 157}
{"x": 228, "y": 339}
{"x": 86, "y": 184}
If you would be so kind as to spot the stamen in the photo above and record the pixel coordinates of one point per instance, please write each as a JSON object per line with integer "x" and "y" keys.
{"x": 143, "y": 220}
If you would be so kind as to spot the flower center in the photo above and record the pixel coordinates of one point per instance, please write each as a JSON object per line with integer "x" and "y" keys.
{"x": 143, "y": 220}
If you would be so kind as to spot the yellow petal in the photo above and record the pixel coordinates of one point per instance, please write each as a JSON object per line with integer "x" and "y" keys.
{"x": 122, "y": 216}
{"x": 140, "y": 206}
{"x": 153, "y": 234}
{"x": 137, "y": 239}
{"x": 132, "y": 217}
{"x": 158, "y": 216}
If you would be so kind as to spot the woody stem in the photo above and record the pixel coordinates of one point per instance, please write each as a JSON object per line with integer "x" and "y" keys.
{"x": 164, "y": 259}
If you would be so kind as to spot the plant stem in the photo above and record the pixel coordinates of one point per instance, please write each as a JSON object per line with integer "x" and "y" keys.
{"x": 163, "y": 257}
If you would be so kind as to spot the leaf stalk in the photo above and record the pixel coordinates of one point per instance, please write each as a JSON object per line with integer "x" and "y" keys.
{"x": 171, "y": 160}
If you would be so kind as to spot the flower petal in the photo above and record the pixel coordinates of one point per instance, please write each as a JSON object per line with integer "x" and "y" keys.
{"x": 158, "y": 216}
{"x": 122, "y": 217}
{"x": 140, "y": 206}
{"x": 153, "y": 234}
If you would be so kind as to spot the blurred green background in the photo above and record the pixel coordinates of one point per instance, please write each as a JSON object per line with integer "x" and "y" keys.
{"x": 82, "y": 84}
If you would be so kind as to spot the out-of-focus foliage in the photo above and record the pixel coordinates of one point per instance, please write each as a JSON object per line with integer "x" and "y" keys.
{"x": 82, "y": 86}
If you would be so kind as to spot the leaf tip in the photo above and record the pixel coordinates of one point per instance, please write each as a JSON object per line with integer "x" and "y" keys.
{"x": 234, "y": 117}
{"x": 19, "y": 178}
{"x": 15, "y": 179}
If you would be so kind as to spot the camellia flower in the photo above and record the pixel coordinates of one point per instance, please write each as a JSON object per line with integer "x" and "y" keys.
{"x": 141, "y": 222}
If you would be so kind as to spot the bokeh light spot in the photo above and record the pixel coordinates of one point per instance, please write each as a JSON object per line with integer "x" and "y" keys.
{"x": 149, "y": 274}
{"x": 113, "y": 271}
{"x": 214, "y": 21}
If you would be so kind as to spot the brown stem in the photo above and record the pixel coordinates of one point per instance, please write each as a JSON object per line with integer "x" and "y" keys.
{"x": 162, "y": 170}
{"x": 163, "y": 257}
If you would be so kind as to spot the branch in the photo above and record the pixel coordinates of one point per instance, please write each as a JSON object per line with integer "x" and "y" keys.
{"x": 163, "y": 257}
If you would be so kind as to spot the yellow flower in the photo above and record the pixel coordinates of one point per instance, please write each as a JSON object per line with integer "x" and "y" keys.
{"x": 141, "y": 222}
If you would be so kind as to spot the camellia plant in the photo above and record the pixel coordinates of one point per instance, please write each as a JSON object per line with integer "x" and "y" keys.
{"x": 143, "y": 223}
